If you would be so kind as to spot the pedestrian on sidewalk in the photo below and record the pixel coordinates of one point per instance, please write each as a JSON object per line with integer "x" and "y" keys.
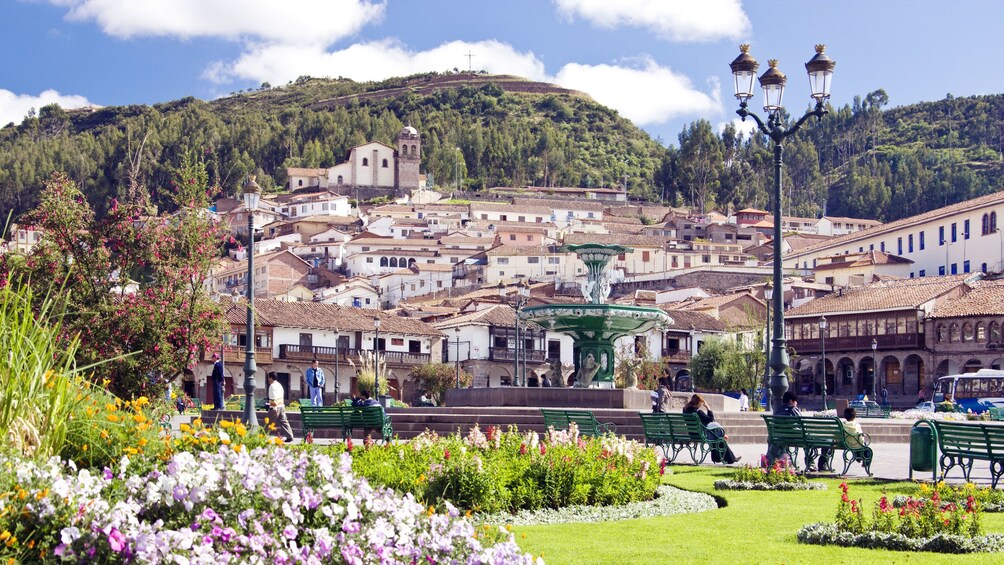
{"x": 277, "y": 409}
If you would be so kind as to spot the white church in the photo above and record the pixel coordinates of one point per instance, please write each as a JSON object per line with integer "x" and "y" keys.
{"x": 371, "y": 165}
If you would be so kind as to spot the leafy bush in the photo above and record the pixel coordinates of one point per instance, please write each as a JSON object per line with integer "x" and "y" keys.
{"x": 437, "y": 378}
{"x": 988, "y": 499}
{"x": 510, "y": 471}
{"x": 918, "y": 518}
{"x": 780, "y": 476}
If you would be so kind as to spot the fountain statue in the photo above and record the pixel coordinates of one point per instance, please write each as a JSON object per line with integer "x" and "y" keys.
{"x": 596, "y": 325}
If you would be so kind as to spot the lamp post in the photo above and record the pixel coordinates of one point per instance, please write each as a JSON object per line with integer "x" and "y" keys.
{"x": 517, "y": 301}
{"x": 822, "y": 340}
{"x": 252, "y": 194}
{"x": 336, "y": 367}
{"x": 874, "y": 367}
{"x": 376, "y": 357}
{"x": 456, "y": 332}
{"x": 768, "y": 293}
{"x": 820, "y": 71}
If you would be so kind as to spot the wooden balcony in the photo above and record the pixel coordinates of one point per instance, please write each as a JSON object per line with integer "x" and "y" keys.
{"x": 858, "y": 343}
{"x": 235, "y": 354}
{"x": 307, "y": 353}
{"x": 678, "y": 356}
{"x": 506, "y": 354}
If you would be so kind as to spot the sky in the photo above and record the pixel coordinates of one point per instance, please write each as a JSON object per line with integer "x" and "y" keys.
{"x": 660, "y": 63}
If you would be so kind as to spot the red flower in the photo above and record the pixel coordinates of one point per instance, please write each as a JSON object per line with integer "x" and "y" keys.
{"x": 446, "y": 455}
{"x": 543, "y": 449}
{"x": 522, "y": 449}
{"x": 348, "y": 444}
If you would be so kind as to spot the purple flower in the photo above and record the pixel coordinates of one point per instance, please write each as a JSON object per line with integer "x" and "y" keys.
{"x": 116, "y": 540}
{"x": 107, "y": 474}
{"x": 289, "y": 532}
{"x": 210, "y": 515}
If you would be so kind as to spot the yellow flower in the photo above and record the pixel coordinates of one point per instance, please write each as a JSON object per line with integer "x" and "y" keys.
{"x": 130, "y": 450}
{"x": 83, "y": 447}
{"x": 185, "y": 428}
{"x": 143, "y": 441}
{"x": 197, "y": 422}
{"x": 141, "y": 401}
{"x": 104, "y": 434}
{"x": 226, "y": 424}
{"x": 110, "y": 407}
{"x": 112, "y": 418}
{"x": 4, "y": 535}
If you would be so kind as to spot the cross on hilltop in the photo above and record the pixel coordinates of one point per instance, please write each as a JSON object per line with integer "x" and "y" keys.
{"x": 469, "y": 56}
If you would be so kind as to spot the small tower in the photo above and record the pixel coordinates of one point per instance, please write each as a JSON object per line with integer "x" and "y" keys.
{"x": 409, "y": 156}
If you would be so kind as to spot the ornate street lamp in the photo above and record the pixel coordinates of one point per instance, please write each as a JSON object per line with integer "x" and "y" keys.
{"x": 252, "y": 195}
{"x": 456, "y": 332}
{"x": 768, "y": 294}
{"x": 820, "y": 70}
{"x": 517, "y": 301}
{"x": 822, "y": 340}
{"x": 874, "y": 368}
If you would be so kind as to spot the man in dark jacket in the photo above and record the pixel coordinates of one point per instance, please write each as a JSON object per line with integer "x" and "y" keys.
{"x": 789, "y": 407}
{"x": 217, "y": 379}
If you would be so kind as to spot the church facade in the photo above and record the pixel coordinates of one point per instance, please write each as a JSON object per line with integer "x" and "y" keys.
{"x": 372, "y": 165}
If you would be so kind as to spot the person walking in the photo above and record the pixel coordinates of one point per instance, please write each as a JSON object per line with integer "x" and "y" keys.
{"x": 714, "y": 429}
{"x": 315, "y": 384}
{"x": 744, "y": 401}
{"x": 663, "y": 397}
{"x": 277, "y": 408}
{"x": 218, "y": 382}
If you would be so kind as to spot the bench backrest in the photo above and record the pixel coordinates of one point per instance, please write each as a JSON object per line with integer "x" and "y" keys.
{"x": 995, "y": 440}
{"x": 958, "y": 436}
{"x": 367, "y": 416}
{"x": 823, "y": 429}
{"x": 784, "y": 429}
{"x": 560, "y": 419}
{"x": 343, "y": 416}
{"x": 680, "y": 427}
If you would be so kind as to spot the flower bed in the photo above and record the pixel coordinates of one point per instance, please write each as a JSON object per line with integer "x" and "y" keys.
{"x": 921, "y": 524}
{"x": 668, "y": 501}
{"x": 497, "y": 471}
{"x": 232, "y": 505}
{"x": 988, "y": 499}
{"x": 780, "y": 476}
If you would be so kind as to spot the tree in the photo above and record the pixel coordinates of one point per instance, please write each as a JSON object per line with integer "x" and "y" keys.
{"x": 135, "y": 285}
{"x": 725, "y": 365}
{"x": 701, "y": 155}
{"x": 436, "y": 378}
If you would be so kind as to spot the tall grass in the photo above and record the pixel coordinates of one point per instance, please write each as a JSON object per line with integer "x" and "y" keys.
{"x": 39, "y": 381}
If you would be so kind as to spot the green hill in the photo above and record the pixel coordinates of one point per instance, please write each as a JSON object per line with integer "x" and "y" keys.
{"x": 510, "y": 132}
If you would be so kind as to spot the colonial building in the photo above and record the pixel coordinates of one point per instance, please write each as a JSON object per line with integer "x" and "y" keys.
{"x": 371, "y": 165}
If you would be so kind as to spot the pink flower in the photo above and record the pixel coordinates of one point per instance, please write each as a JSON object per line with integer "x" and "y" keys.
{"x": 116, "y": 541}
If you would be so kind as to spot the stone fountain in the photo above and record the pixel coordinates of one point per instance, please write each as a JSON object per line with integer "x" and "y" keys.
{"x": 595, "y": 326}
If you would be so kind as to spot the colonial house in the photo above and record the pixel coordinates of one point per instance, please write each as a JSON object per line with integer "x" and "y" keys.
{"x": 957, "y": 239}
{"x": 290, "y": 335}
{"x": 505, "y": 212}
{"x": 877, "y": 329}
{"x": 856, "y": 269}
{"x": 963, "y": 334}
{"x": 682, "y": 339}
{"x": 275, "y": 273}
{"x": 323, "y": 203}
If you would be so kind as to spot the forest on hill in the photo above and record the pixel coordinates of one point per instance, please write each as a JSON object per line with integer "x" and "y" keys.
{"x": 860, "y": 160}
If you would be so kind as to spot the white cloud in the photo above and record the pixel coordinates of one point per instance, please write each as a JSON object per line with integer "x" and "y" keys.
{"x": 747, "y": 128}
{"x": 372, "y": 61}
{"x": 14, "y": 107}
{"x": 677, "y": 20}
{"x": 287, "y": 21}
{"x": 645, "y": 94}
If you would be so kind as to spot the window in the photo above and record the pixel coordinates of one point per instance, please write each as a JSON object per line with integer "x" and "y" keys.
{"x": 397, "y": 341}
{"x": 953, "y": 333}
{"x": 965, "y": 266}
{"x": 503, "y": 260}
{"x": 533, "y": 260}
{"x": 899, "y": 246}
{"x": 981, "y": 332}
{"x": 503, "y": 218}
{"x": 882, "y": 247}
{"x": 911, "y": 274}
{"x": 983, "y": 268}
{"x": 512, "y": 237}
{"x": 383, "y": 262}
{"x": 300, "y": 183}
{"x": 921, "y": 241}
{"x": 521, "y": 218}
{"x": 384, "y": 164}
{"x": 369, "y": 260}
{"x": 993, "y": 222}
{"x": 940, "y": 332}
{"x": 922, "y": 273}
{"x": 965, "y": 229}
{"x": 646, "y": 256}
{"x": 871, "y": 247}
{"x": 941, "y": 271}
{"x": 589, "y": 215}
{"x": 861, "y": 249}
{"x": 909, "y": 243}
{"x": 529, "y": 238}
{"x": 985, "y": 224}
{"x": 553, "y": 261}
{"x": 955, "y": 232}
{"x": 955, "y": 268}
{"x": 366, "y": 162}
{"x": 941, "y": 235}
{"x": 995, "y": 332}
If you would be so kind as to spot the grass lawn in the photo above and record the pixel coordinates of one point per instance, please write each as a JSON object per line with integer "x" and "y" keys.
{"x": 754, "y": 527}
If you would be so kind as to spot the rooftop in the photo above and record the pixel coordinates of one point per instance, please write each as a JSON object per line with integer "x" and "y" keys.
{"x": 899, "y": 294}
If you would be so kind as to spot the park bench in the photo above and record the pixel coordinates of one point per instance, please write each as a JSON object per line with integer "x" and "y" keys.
{"x": 788, "y": 434}
{"x": 997, "y": 414}
{"x": 583, "y": 419}
{"x": 961, "y": 444}
{"x": 306, "y": 402}
{"x": 259, "y": 403}
{"x": 873, "y": 411}
{"x": 196, "y": 405}
{"x": 677, "y": 432}
{"x": 346, "y": 418}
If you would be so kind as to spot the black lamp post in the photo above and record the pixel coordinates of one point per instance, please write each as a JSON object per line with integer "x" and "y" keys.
{"x": 768, "y": 294}
{"x": 252, "y": 194}
{"x": 519, "y": 300}
{"x": 336, "y": 366}
{"x": 744, "y": 68}
{"x": 874, "y": 368}
{"x": 376, "y": 357}
{"x": 822, "y": 340}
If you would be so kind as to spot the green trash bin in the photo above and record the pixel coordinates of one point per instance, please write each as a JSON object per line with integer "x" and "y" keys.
{"x": 921, "y": 449}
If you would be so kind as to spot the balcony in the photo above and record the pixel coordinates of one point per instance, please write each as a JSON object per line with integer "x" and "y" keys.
{"x": 858, "y": 343}
{"x": 235, "y": 354}
{"x": 677, "y": 356}
{"x": 506, "y": 354}
{"x": 307, "y": 353}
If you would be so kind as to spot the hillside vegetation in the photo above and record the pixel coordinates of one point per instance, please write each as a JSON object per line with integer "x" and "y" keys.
{"x": 482, "y": 130}
{"x": 509, "y": 132}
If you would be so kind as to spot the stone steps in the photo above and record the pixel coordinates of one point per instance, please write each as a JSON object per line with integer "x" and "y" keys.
{"x": 742, "y": 428}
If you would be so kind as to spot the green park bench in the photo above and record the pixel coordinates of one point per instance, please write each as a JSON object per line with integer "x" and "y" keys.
{"x": 873, "y": 411}
{"x": 583, "y": 419}
{"x": 677, "y": 432}
{"x": 346, "y": 419}
{"x": 962, "y": 443}
{"x": 196, "y": 405}
{"x": 997, "y": 414}
{"x": 306, "y": 402}
{"x": 788, "y": 434}
{"x": 259, "y": 403}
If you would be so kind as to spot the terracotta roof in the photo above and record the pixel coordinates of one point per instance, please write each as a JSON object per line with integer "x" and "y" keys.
{"x": 304, "y": 172}
{"x": 752, "y": 211}
{"x": 498, "y": 315}
{"x": 507, "y": 207}
{"x": 717, "y": 301}
{"x": 901, "y": 294}
{"x": 521, "y": 250}
{"x": 863, "y": 260}
{"x": 571, "y": 204}
{"x": 619, "y": 239}
{"x": 984, "y": 298}
{"x": 684, "y": 319}
{"x": 321, "y": 316}
{"x": 995, "y": 198}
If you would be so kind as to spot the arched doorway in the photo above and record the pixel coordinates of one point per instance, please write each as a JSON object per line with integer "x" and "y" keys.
{"x": 805, "y": 377}
{"x": 946, "y": 367}
{"x": 972, "y": 366}
{"x": 913, "y": 374}
{"x": 682, "y": 381}
{"x": 997, "y": 364}
{"x": 866, "y": 377}
{"x": 845, "y": 376}
{"x": 890, "y": 375}
{"x": 826, "y": 375}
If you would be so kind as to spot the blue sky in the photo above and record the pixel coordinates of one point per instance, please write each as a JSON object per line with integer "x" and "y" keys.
{"x": 661, "y": 63}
